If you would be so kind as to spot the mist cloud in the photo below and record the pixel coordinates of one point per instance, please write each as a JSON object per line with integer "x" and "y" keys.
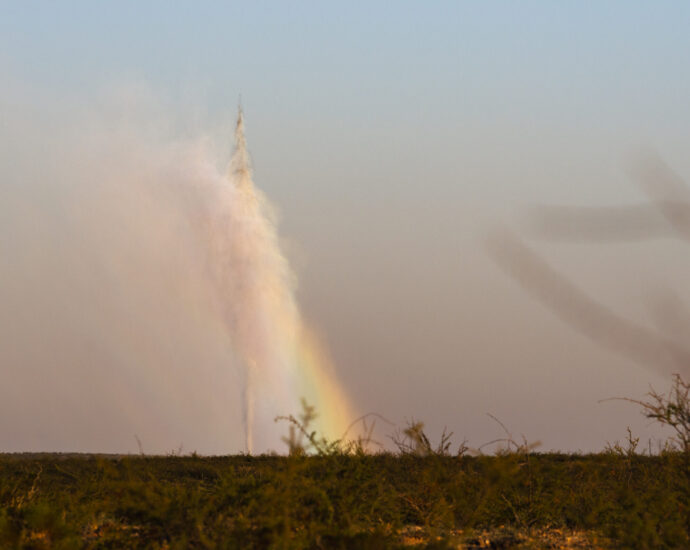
{"x": 109, "y": 327}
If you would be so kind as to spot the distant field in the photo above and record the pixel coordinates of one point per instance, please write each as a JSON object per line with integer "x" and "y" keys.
{"x": 516, "y": 500}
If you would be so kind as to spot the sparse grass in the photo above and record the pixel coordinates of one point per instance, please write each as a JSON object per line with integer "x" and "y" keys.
{"x": 341, "y": 501}
{"x": 335, "y": 495}
{"x": 672, "y": 410}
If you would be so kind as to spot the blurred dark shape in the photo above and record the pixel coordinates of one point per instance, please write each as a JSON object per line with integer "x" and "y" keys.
{"x": 592, "y": 319}
{"x": 671, "y": 315}
{"x": 657, "y": 178}
{"x": 612, "y": 223}
{"x": 667, "y": 214}
{"x": 667, "y": 191}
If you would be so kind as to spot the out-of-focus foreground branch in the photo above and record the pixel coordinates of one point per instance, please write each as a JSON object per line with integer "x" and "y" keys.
{"x": 667, "y": 214}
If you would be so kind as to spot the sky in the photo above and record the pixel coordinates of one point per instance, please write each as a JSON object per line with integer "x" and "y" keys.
{"x": 392, "y": 138}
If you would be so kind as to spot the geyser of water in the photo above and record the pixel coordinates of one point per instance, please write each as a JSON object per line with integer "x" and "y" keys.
{"x": 280, "y": 358}
{"x": 144, "y": 293}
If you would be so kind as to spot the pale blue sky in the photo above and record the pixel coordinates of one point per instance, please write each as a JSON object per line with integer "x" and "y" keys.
{"x": 308, "y": 58}
{"x": 392, "y": 136}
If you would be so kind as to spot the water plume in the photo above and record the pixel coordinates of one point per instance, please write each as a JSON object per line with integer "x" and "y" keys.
{"x": 144, "y": 292}
{"x": 281, "y": 357}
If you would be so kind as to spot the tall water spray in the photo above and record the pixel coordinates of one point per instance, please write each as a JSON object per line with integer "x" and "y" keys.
{"x": 282, "y": 360}
{"x": 144, "y": 292}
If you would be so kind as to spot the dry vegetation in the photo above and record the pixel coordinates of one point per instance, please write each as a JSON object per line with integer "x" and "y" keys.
{"x": 336, "y": 495}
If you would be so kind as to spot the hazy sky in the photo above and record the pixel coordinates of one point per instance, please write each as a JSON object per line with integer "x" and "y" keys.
{"x": 392, "y": 137}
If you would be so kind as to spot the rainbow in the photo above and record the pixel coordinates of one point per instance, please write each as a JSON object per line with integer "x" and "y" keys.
{"x": 319, "y": 386}
{"x": 283, "y": 359}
